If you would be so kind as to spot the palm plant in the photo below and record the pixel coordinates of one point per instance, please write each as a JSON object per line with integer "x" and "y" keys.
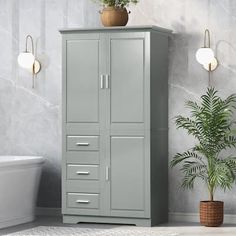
{"x": 212, "y": 124}
{"x": 117, "y": 3}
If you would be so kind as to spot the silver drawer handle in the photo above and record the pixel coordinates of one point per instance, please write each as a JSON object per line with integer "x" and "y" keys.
{"x": 107, "y": 173}
{"x": 82, "y": 173}
{"x": 107, "y": 81}
{"x": 82, "y": 144}
{"x": 83, "y": 201}
{"x": 102, "y": 81}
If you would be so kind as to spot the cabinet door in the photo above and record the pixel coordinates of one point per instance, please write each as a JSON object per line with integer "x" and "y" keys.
{"x": 84, "y": 117}
{"x": 128, "y": 124}
{"x": 127, "y": 176}
{"x": 82, "y": 86}
{"x": 127, "y": 78}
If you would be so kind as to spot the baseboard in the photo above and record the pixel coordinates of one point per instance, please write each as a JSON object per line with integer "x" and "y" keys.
{"x": 46, "y": 211}
{"x": 173, "y": 216}
{"x": 194, "y": 217}
{"x": 4, "y": 223}
{"x": 183, "y": 217}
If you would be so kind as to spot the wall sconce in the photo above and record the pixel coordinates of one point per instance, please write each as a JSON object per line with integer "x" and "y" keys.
{"x": 28, "y": 61}
{"x": 205, "y": 55}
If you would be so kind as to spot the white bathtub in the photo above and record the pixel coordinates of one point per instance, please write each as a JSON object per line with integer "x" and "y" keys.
{"x": 19, "y": 182}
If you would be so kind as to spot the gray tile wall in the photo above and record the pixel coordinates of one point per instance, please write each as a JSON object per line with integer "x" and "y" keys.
{"x": 30, "y": 119}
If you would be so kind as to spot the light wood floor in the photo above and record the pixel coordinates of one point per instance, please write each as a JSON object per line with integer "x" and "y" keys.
{"x": 184, "y": 229}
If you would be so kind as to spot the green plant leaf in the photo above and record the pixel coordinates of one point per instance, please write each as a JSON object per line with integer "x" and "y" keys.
{"x": 117, "y": 3}
{"x": 180, "y": 157}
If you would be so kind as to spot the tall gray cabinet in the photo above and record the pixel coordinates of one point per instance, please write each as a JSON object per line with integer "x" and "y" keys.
{"x": 115, "y": 125}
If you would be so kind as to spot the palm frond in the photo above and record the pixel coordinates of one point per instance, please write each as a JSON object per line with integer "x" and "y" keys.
{"x": 231, "y": 163}
{"x": 191, "y": 167}
{"x": 222, "y": 175}
{"x": 179, "y": 157}
{"x": 189, "y": 178}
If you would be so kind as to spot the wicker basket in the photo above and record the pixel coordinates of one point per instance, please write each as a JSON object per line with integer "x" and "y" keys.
{"x": 211, "y": 213}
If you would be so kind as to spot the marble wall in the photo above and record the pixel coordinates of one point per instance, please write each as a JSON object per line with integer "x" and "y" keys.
{"x": 30, "y": 119}
{"x": 187, "y": 80}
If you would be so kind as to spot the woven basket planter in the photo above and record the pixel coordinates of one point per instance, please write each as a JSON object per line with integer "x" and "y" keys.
{"x": 211, "y": 213}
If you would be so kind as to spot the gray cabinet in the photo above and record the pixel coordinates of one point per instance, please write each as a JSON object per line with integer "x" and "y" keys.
{"x": 115, "y": 125}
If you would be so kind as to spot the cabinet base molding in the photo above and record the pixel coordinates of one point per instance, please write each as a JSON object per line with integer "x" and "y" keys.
{"x": 73, "y": 219}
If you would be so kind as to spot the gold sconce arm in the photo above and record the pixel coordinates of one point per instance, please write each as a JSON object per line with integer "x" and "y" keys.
{"x": 205, "y": 55}
{"x": 27, "y": 59}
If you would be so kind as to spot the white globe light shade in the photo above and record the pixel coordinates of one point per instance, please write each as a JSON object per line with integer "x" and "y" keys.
{"x": 26, "y": 60}
{"x": 212, "y": 65}
{"x": 204, "y": 56}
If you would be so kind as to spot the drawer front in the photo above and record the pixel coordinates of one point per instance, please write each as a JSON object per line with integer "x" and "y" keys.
{"x": 82, "y": 143}
{"x": 83, "y": 157}
{"x": 85, "y": 172}
{"x": 82, "y": 186}
{"x": 79, "y": 200}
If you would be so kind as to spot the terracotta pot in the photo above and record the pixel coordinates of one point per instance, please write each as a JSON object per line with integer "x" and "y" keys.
{"x": 211, "y": 213}
{"x": 114, "y": 16}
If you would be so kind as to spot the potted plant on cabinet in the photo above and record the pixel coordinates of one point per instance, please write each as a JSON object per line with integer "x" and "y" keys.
{"x": 212, "y": 124}
{"x": 114, "y": 12}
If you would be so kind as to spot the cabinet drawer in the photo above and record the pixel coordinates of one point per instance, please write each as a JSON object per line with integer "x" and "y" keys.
{"x": 83, "y": 157}
{"x": 82, "y": 172}
{"x": 83, "y": 186}
{"x": 79, "y": 200}
{"x": 82, "y": 143}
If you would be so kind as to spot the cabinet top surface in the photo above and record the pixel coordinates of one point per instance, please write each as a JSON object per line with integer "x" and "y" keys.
{"x": 123, "y": 28}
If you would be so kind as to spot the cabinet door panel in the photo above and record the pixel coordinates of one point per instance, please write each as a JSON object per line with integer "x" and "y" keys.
{"x": 127, "y": 80}
{"x": 83, "y": 81}
{"x": 127, "y": 173}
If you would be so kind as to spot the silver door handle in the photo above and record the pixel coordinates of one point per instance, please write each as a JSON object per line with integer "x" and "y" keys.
{"x": 107, "y": 81}
{"x": 102, "y": 81}
{"x": 83, "y": 201}
{"x": 82, "y": 144}
{"x": 107, "y": 173}
{"x": 82, "y": 173}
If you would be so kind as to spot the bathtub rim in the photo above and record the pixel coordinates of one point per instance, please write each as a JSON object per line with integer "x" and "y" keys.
{"x": 18, "y": 160}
